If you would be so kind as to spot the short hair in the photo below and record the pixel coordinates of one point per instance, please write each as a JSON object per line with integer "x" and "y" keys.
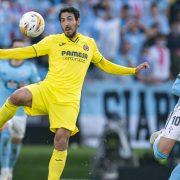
{"x": 70, "y": 10}
{"x": 126, "y": 7}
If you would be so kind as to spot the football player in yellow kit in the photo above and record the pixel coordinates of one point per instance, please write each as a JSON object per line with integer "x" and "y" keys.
{"x": 58, "y": 95}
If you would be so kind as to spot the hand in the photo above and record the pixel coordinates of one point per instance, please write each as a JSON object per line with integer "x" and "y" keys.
{"x": 142, "y": 66}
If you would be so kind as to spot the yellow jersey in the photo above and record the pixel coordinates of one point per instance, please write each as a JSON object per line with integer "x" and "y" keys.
{"x": 68, "y": 64}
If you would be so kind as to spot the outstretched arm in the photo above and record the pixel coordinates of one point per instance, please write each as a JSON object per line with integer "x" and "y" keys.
{"x": 18, "y": 53}
{"x": 112, "y": 68}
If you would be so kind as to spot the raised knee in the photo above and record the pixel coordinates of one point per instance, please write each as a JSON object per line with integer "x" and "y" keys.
{"x": 18, "y": 98}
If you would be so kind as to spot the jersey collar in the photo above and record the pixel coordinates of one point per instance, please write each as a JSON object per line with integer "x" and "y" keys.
{"x": 75, "y": 39}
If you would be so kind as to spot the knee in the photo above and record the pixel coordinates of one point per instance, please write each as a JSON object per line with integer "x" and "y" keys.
{"x": 61, "y": 140}
{"x": 19, "y": 97}
{"x": 61, "y": 144}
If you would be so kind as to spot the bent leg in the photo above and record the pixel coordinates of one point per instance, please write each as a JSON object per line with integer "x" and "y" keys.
{"x": 58, "y": 159}
{"x": 21, "y": 97}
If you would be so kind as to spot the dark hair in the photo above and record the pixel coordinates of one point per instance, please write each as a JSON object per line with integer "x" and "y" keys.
{"x": 126, "y": 7}
{"x": 70, "y": 10}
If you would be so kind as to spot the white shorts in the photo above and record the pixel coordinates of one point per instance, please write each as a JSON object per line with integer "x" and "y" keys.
{"x": 172, "y": 127}
{"x": 17, "y": 126}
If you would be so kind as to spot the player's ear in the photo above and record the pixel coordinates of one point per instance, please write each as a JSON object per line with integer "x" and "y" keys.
{"x": 78, "y": 22}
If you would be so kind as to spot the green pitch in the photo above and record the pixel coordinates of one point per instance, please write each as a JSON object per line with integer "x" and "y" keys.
{"x": 33, "y": 163}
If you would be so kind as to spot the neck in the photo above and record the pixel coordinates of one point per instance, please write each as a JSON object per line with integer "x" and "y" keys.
{"x": 74, "y": 36}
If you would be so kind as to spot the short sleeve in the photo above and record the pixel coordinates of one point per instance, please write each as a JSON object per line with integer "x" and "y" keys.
{"x": 42, "y": 47}
{"x": 97, "y": 56}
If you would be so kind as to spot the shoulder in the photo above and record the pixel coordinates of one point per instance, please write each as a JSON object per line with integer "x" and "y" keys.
{"x": 87, "y": 38}
{"x": 52, "y": 37}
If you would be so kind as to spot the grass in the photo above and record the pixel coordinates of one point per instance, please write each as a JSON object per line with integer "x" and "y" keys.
{"x": 34, "y": 160}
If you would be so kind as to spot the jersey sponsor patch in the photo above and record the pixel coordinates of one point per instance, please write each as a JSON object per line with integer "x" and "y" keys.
{"x": 74, "y": 55}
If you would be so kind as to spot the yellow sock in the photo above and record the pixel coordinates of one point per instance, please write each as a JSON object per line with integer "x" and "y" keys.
{"x": 7, "y": 111}
{"x": 57, "y": 164}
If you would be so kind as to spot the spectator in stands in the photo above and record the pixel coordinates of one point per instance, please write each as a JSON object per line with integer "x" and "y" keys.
{"x": 155, "y": 16}
{"x": 174, "y": 46}
{"x": 174, "y": 10}
{"x": 124, "y": 58}
{"x": 135, "y": 37}
{"x": 125, "y": 15}
{"x": 151, "y": 34}
{"x": 159, "y": 59}
{"x": 108, "y": 30}
{"x": 6, "y": 28}
{"x": 139, "y": 8}
{"x": 105, "y": 14}
{"x": 162, "y": 5}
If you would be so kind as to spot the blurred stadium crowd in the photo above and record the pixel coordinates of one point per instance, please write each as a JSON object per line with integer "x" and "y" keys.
{"x": 127, "y": 32}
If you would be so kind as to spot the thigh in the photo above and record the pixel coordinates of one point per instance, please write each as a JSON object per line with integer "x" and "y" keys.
{"x": 21, "y": 97}
{"x": 39, "y": 102}
{"x": 172, "y": 127}
{"x": 64, "y": 116}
